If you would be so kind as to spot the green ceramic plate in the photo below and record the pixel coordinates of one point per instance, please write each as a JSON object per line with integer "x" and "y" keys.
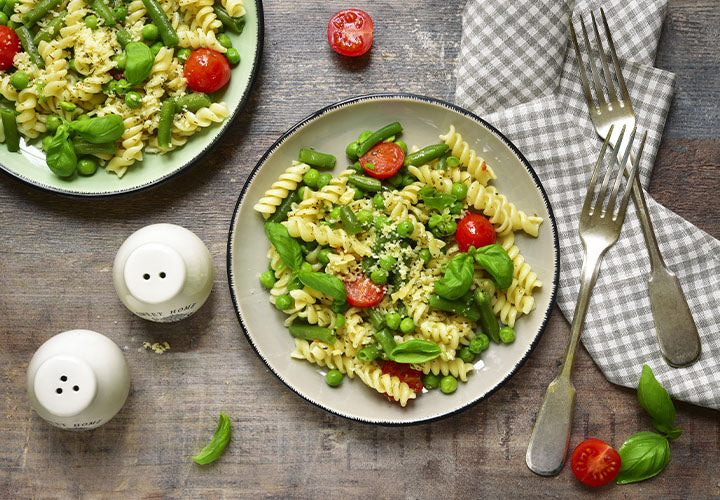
{"x": 29, "y": 164}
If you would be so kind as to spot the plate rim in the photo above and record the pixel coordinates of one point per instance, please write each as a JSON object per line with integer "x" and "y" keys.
{"x": 68, "y": 193}
{"x": 412, "y": 97}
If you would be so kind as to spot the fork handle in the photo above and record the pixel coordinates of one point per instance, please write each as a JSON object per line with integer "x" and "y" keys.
{"x": 676, "y": 331}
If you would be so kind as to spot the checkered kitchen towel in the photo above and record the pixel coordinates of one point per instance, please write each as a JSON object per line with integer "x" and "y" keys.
{"x": 517, "y": 69}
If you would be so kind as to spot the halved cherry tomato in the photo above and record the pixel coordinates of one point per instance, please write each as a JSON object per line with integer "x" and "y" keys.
{"x": 362, "y": 292}
{"x": 9, "y": 46}
{"x": 350, "y": 32}
{"x": 474, "y": 230}
{"x": 386, "y": 157}
{"x": 407, "y": 374}
{"x": 207, "y": 70}
{"x": 595, "y": 462}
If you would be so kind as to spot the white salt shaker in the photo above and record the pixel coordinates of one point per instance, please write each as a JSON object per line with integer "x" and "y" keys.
{"x": 163, "y": 273}
{"x": 78, "y": 380}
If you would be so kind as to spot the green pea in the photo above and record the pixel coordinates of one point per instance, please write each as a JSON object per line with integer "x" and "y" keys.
{"x": 302, "y": 191}
{"x": 52, "y": 123}
{"x": 430, "y": 381}
{"x": 448, "y": 384}
{"x": 392, "y": 320}
{"x": 452, "y": 161}
{"x": 405, "y": 228}
{"x": 183, "y": 54}
{"x": 133, "y": 99}
{"x": 358, "y": 194}
{"x": 365, "y": 217}
{"x": 364, "y": 136}
{"x": 87, "y": 166}
{"x": 150, "y": 32}
{"x": 295, "y": 284}
{"x": 120, "y": 60}
{"x": 19, "y": 80}
{"x": 233, "y": 56}
{"x": 224, "y": 40}
{"x": 380, "y": 221}
{"x": 378, "y": 202}
{"x": 324, "y": 256}
{"x": 82, "y": 117}
{"x": 4, "y": 19}
{"x": 507, "y": 335}
{"x": 466, "y": 355}
{"x": 334, "y": 378}
{"x": 155, "y": 48}
{"x": 395, "y": 180}
{"x": 479, "y": 343}
{"x": 387, "y": 262}
{"x": 407, "y": 325}
{"x": 46, "y": 142}
{"x": 306, "y": 267}
{"x": 339, "y": 307}
{"x": 334, "y": 213}
{"x": 339, "y": 320}
{"x": 267, "y": 279}
{"x": 283, "y": 302}
{"x": 324, "y": 179}
{"x": 91, "y": 22}
{"x": 120, "y": 13}
{"x": 379, "y": 276}
{"x": 425, "y": 255}
{"x": 311, "y": 178}
{"x": 402, "y": 145}
{"x": 67, "y": 106}
{"x": 456, "y": 208}
{"x": 351, "y": 150}
{"x": 459, "y": 190}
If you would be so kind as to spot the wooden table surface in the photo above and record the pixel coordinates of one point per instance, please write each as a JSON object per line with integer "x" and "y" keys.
{"x": 56, "y": 255}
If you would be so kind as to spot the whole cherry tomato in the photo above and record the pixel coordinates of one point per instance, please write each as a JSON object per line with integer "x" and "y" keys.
{"x": 362, "y": 292}
{"x": 407, "y": 374}
{"x": 386, "y": 157}
{"x": 9, "y": 46}
{"x": 350, "y": 32}
{"x": 474, "y": 230}
{"x": 595, "y": 462}
{"x": 207, "y": 70}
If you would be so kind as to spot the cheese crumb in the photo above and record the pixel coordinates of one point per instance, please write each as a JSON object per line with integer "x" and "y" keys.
{"x": 157, "y": 347}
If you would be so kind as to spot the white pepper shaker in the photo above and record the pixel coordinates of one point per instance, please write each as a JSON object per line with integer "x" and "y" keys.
{"x": 163, "y": 273}
{"x": 78, "y": 380}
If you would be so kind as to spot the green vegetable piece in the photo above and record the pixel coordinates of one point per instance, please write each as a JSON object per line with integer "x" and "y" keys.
{"x": 487, "y": 284}
{"x": 312, "y": 332}
{"x": 267, "y": 279}
{"x": 324, "y": 256}
{"x": 351, "y": 224}
{"x": 507, "y": 335}
{"x": 496, "y": 261}
{"x": 657, "y": 403}
{"x": 334, "y": 214}
{"x": 155, "y": 48}
{"x": 459, "y": 190}
{"x": 46, "y": 142}
{"x": 310, "y": 178}
{"x": 99, "y": 130}
{"x": 217, "y": 444}
{"x": 324, "y": 179}
{"x": 395, "y": 180}
{"x": 224, "y": 40}
{"x": 12, "y": 136}
{"x": 425, "y": 255}
{"x": 4, "y": 19}
{"x": 167, "y": 114}
{"x": 407, "y": 325}
{"x": 123, "y": 37}
{"x": 29, "y": 46}
{"x": 358, "y": 194}
{"x": 479, "y": 343}
{"x": 368, "y": 353}
{"x": 365, "y": 183}
{"x": 456, "y": 208}
{"x": 139, "y": 62}
{"x": 430, "y": 381}
{"x": 295, "y": 284}
{"x": 339, "y": 320}
{"x": 415, "y": 351}
{"x": 379, "y": 276}
{"x": 403, "y": 146}
{"x": 387, "y": 131}
{"x": 386, "y": 340}
{"x": 432, "y": 199}
{"x": 38, "y": 12}
{"x": 330, "y": 285}
{"x": 19, "y": 80}
{"x": 457, "y": 278}
{"x": 183, "y": 54}
{"x": 87, "y": 166}
{"x": 83, "y": 147}
{"x": 339, "y": 307}
{"x": 644, "y": 455}
{"x": 9, "y": 8}
{"x": 51, "y": 29}
{"x": 454, "y": 306}
{"x": 365, "y": 218}
{"x": 193, "y": 102}
{"x": 160, "y": 19}
{"x": 234, "y": 24}
{"x": 357, "y": 167}
{"x": 377, "y": 319}
{"x": 286, "y": 246}
{"x": 306, "y": 266}
{"x": 488, "y": 321}
{"x": 91, "y": 22}
{"x": 405, "y": 228}
{"x": 281, "y": 212}
{"x": 133, "y": 99}
{"x": 378, "y": 202}
{"x": 334, "y": 378}
{"x": 120, "y": 13}
{"x": 426, "y": 154}
{"x": 233, "y": 56}
{"x": 60, "y": 155}
{"x": 448, "y": 384}
{"x": 103, "y": 11}
{"x": 380, "y": 221}
{"x": 387, "y": 262}
{"x": 351, "y": 150}
{"x": 150, "y": 32}
{"x": 283, "y": 302}
{"x": 466, "y": 355}
{"x": 452, "y": 161}
{"x": 364, "y": 136}
{"x": 120, "y": 60}
{"x": 392, "y": 320}
{"x": 67, "y": 106}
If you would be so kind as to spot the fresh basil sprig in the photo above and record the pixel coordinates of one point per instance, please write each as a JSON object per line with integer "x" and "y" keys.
{"x": 496, "y": 261}
{"x": 286, "y": 246}
{"x": 60, "y": 156}
{"x": 457, "y": 278}
{"x": 656, "y": 401}
{"x": 642, "y": 456}
{"x": 414, "y": 351}
{"x": 330, "y": 285}
{"x": 101, "y": 129}
{"x": 433, "y": 199}
{"x": 217, "y": 444}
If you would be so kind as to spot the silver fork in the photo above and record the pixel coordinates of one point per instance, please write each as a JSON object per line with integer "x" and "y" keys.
{"x": 600, "y": 227}
{"x": 674, "y": 325}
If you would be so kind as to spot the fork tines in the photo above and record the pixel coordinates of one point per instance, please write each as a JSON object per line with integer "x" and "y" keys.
{"x": 601, "y": 206}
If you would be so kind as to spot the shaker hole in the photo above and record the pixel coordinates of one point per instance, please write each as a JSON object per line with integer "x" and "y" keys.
{"x": 76, "y": 388}
{"x": 63, "y": 378}
{"x": 162, "y": 275}
{"x": 58, "y": 390}
{"x": 146, "y": 276}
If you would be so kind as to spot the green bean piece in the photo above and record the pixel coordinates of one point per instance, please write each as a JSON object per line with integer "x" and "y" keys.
{"x": 193, "y": 102}
{"x": 368, "y": 353}
{"x": 376, "y": 318}
{"x": 39, "y": 11}
{"x": 233, "y": 56}
{"x": 379, "y": 276}
{"x": 103, "y": 11}
{"x": 123, "y": 37}
{"x": 339, "y": 307}
{"x": 233, "y": 24}
{"x": 26, "y": 39}
{"x": 487, "y": 320}
{"x": 392, "y": 320}
{"x": 19, "y": 80}
{"x": 448, "y": 384}
{"x": 351, "y": 224}
{"x": 51, "y": 29}
{"x": 312, "y": 332}
{"x": 453, "y": 306}
{"x": 183, "y": 54}
{"x": 167, "y": 113}
{"x": 2, "y": 5}
{"x": 281, "y": 212}
{"x": 479, "y": 343}
{"x": 160, "y": 19}
{"x": 430, "y": 381}
{"x": 316, "y": 158}
{"x": 83, "y": 147}
{"x": 382, "y": 134}
{"x": 324, "y": 179}
{"x": 507, "y": 335}
{"x": 426, "y": 154}
{"x": 87, "y": 166}
{"x": 365, "y": 183}
{"x": 334, "y": 378}
{"x": 150, "y": 32}
{"x": 12, "y": 136}
{"x": 385, "y": 339}
{"x": 9, "y": 8}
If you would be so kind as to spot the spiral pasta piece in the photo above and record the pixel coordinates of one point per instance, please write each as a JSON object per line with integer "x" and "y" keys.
{"x": 236, "y": 8}
{"x": 385, "y": 383}
{"x": 288, "y": 181}
{"x": 325, "y": 235}
{"x": 475, "y": 165}
{"x": 318, "y": 354}
{"x": 317, "y": 201}
{"x": 456, "y": 367}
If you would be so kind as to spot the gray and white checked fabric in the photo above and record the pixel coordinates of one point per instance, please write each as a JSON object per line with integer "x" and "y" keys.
{"x": 517, "y": 70}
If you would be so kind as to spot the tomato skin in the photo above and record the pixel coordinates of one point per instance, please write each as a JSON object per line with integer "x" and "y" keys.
{"x": 207, "y": 70}
{"x": 9, "y": 46}
{"x": 407, "y": 374}
{"x": 350, "y": 32}
{"x": 362, "y": 292}
{"x": 474, "y": 230}
{"x": 595, "y": 462}
{"x": 387, "y": 157}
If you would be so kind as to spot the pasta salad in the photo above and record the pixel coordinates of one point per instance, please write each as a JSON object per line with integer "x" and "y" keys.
{"x": 400, "y": 270}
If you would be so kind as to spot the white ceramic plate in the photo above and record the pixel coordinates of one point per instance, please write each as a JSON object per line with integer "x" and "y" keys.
{"x": 330, "y": 130}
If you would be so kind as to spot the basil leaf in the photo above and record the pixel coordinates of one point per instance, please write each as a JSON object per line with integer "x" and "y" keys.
{"x": 495, "y": 260}
{"x": 139, "y": 62}
{"x": 414, "y": 351}
{"x": 330, "y": 285}
{"x": 286, "y": 246}
{"x": 656, "y": 401}
{"x": 60, "y": 156}
{"x": 642, "y": 456}
{"x": 671, "y": 432}
{"x": 101, "y": 129}
{"x": 217, "y": 444}
{"x": 433, "y": 199}
{"x": 457, "y": 278}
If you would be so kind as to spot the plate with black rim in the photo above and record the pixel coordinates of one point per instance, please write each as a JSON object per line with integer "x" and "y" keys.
{"x": 330, "y": 130}
{"x": 28, "y": 165}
